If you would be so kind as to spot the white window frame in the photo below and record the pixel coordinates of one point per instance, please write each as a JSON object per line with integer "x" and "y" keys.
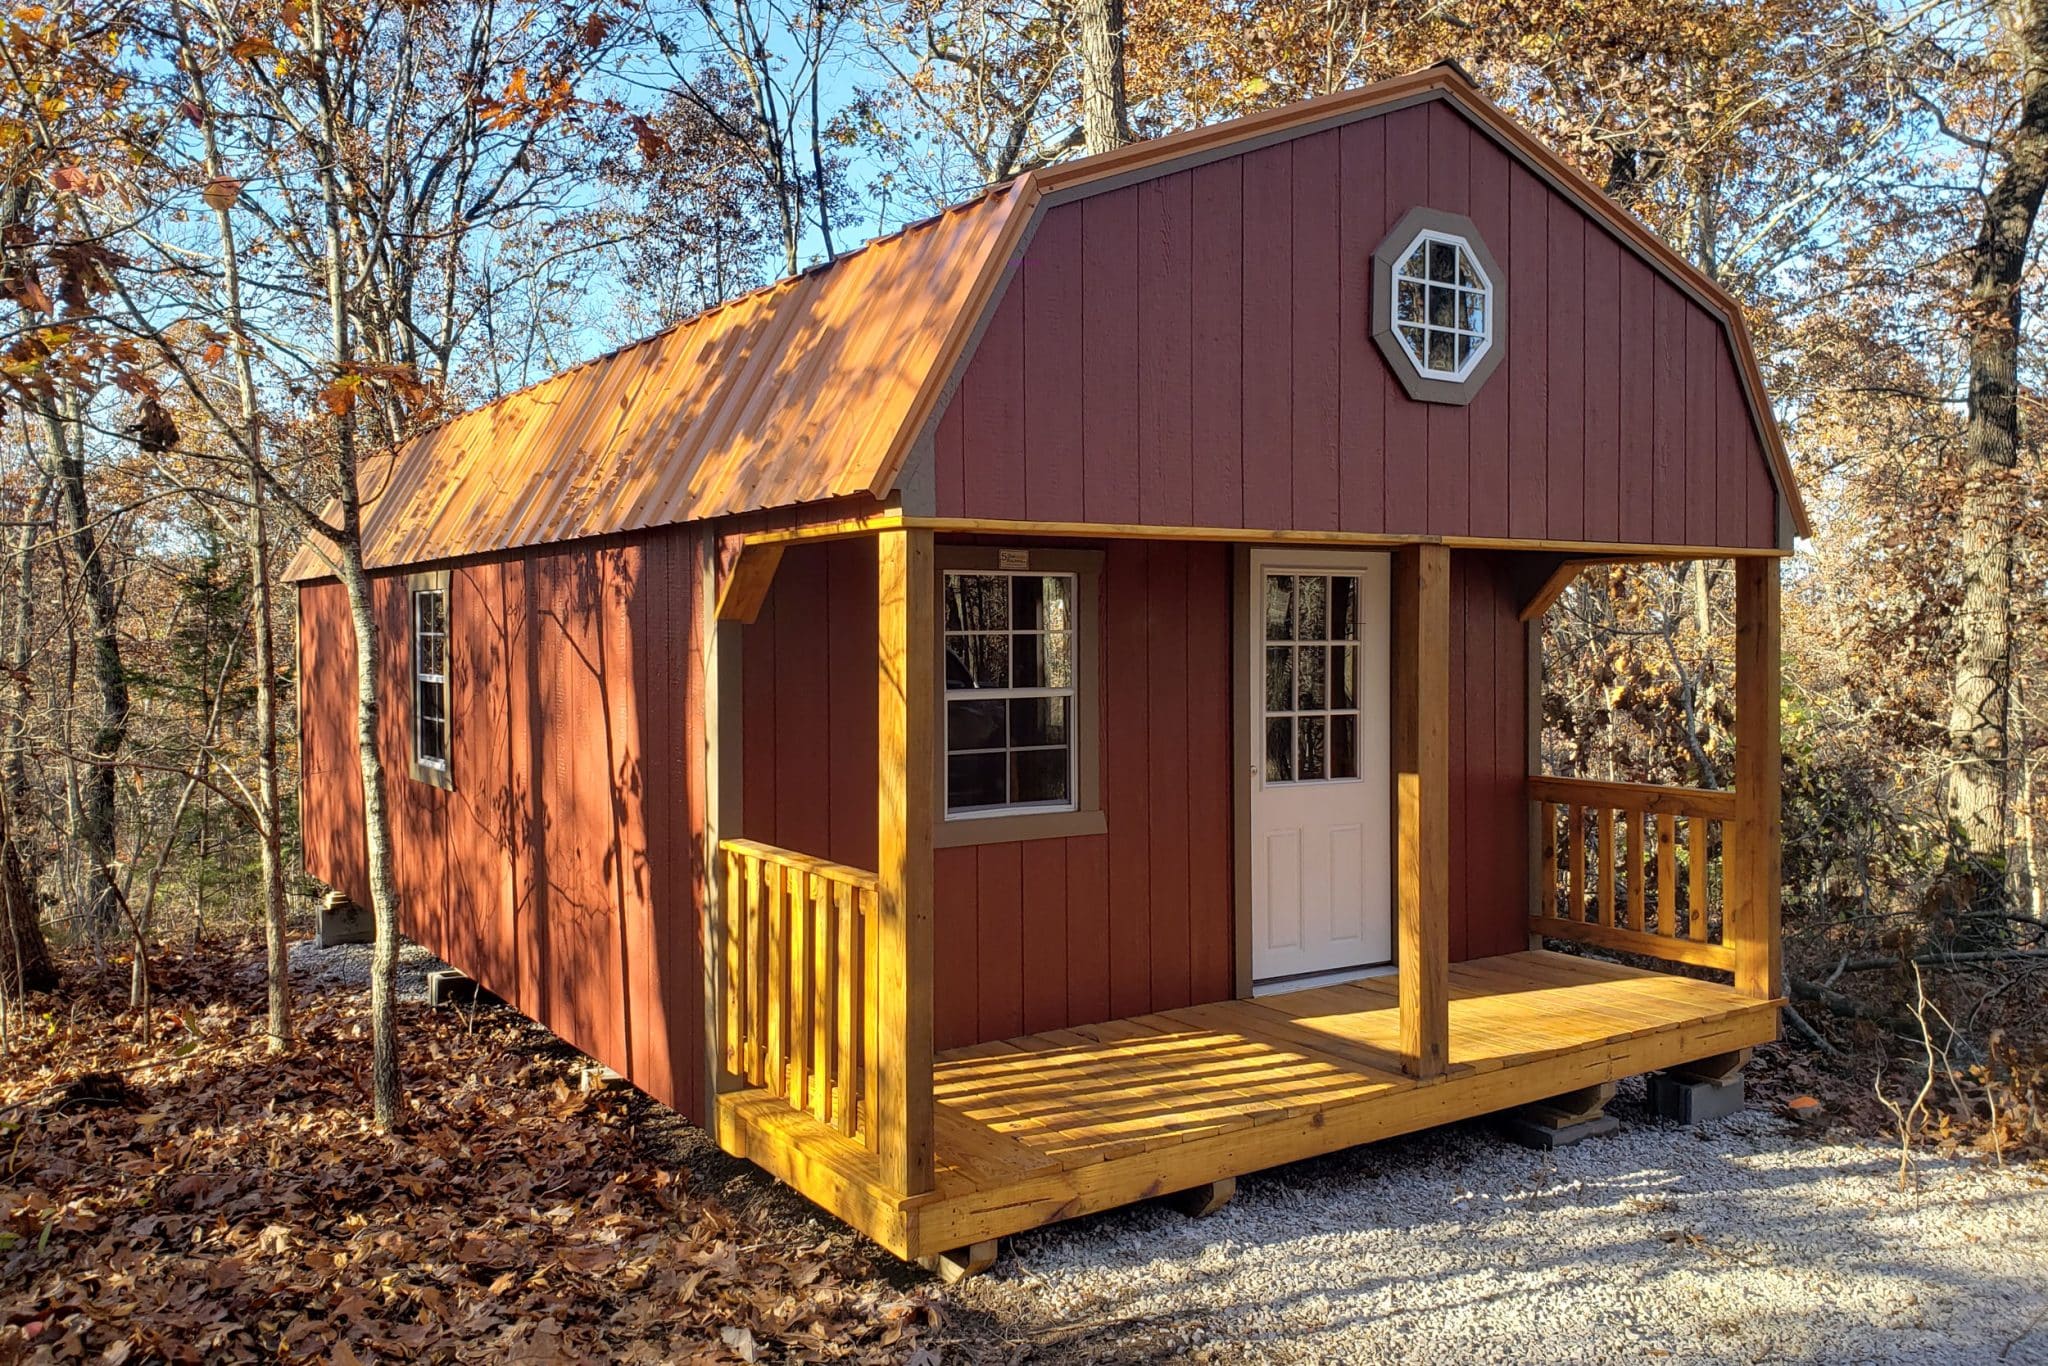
{"x": 1482, "y": 339}
{"x": 1071, "y": 692}
{"x": 418, "y": 590}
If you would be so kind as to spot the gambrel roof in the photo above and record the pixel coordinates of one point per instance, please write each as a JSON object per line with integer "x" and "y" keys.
{"x": 820, "y": 386}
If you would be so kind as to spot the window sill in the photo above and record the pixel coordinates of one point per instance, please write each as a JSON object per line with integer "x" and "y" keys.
{"x": 432, "y": 776}
{"x": 1036, "y": 825}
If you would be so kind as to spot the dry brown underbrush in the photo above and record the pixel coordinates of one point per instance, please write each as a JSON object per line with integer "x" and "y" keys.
{"x": 201, "y": 1200}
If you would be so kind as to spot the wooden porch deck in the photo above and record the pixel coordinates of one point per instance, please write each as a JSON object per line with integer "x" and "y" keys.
{"x": 1051, "y": 1126}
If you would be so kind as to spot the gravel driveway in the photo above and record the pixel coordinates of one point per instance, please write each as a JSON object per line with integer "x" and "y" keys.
{"x": 1739, "y": 1241}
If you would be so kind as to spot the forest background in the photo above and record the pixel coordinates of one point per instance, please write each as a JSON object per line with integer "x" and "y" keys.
{"x": 241, "y": 243}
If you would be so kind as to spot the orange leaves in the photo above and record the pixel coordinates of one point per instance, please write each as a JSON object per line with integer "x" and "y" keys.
{"x": 77, "y": 180}
{"x": 521, "y": 102}
{"x": 221, "y": 193}
{"x": 652, "y": 144}
{"x": 235, "y": 1205}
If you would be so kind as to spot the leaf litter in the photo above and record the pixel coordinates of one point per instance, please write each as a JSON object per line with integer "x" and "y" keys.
{"x": 201, "y": 1200}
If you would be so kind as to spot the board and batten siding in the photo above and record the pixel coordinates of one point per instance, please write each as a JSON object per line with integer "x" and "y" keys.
{"x": 1489, "y": 724}
{"x": 1194, "y": 350}
{"x": 563, "y": 869}
{"x": 1053, "y": 933}
{"x": 1039, "y": 934}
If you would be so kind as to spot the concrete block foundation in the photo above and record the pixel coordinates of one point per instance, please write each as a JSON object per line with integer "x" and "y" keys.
{"x": 340, "y": 921}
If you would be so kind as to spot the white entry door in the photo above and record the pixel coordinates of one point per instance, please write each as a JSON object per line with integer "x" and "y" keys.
{"x": 1321, "y": 824}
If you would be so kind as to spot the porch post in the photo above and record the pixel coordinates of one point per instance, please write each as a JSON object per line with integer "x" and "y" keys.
{"x": 1751, "y": 906}
{"x": 1422, "y": 810}
{"x": 903, "y": 977}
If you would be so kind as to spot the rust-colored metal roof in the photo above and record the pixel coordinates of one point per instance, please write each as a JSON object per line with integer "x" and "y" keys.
{"x": 794, "y": 393}
{"x": 816, "y": 387}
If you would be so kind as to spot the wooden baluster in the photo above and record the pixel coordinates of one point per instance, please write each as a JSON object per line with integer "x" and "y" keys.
{"x": 778, "y": 980}
{"x": 870, "y": 1044}
{"x": 734, "y": 873}
{"x": 1576, "y": 840}
{"x": 822, "y": 1018}
{"x": 1603, "y": 881}
{"x": 846, "y": 987}
{"x": 1548, "y": 818}
{"x": 1638, "y": 869}
{"x": 758, "y": 894}
{"x": 1667, "y": 874}
{"x": 1696, "y": 878}
{"x": 801, "y": 926}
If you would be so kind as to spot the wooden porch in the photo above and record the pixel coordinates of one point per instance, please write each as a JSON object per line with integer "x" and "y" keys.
{"x": 823, "y": 974}
{"x": 1046, "y": 1127}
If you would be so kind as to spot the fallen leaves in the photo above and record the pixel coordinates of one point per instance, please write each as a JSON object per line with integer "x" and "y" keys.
{"x": 221, "y": 1204}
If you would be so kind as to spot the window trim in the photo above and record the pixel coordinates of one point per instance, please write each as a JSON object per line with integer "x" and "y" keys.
{"x": 433, "y": 774}
{"x": 1012, "y": 825}
{"x": 1420, "y": 385}
{"x": 1463, "y": 247}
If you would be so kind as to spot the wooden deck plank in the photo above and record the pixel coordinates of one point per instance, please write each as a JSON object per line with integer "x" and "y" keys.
{"x": 1048, "y": 1126}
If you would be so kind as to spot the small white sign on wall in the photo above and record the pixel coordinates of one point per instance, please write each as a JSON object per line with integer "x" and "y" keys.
{"x": 1013, "y": 559}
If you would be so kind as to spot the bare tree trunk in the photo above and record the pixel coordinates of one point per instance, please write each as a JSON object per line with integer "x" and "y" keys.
{"x": 62, "y": 421}
{"x": 384, "y": 1077}
{"x": 1980, "y": 693}
{"x": 28, "y": 966}
{"x": 1105, "y": 112}
{"x": 269, "y": 816}
{"x": 269, "y": 821}
{"x": 25, "y": 963}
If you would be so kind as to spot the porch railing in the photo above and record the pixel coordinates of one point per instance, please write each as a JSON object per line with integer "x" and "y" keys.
{"x": 1633, "y": 868}
{"x": 800, "y": 981}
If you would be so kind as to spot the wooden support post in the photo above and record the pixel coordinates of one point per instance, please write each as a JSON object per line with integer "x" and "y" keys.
{"x": 1750, "y": 906}
{"x": 1422, "y": 809}
{"x": 718, "y": 644}
{"x": 1199, "y": 1202}
{"x": 903, "y": 977}
{"x": 956, "y": 1266}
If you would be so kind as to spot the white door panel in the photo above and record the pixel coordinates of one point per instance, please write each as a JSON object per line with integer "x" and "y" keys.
{"x": 1322, "y": 886}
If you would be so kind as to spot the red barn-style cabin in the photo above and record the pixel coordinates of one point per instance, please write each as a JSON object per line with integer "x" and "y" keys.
{"x": 1037, "y": 713}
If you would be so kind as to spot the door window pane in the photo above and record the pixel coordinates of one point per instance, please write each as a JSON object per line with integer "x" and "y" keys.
{"x": 1279, "y": 678}
{"x": 1313, "y": 612}
{"x": 1343, "y": 677}
{"x": 1314, "y": 736}
{"x": 1309, "y": 672}
{"x": 1279, "y": 749}
{"x": 1343, "y": 746}
{"x": 1344, "y": 607}
{"x": 1279, "y": 607}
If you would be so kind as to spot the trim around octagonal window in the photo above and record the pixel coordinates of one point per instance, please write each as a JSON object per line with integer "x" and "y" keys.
{"x": 1439, "y": 306}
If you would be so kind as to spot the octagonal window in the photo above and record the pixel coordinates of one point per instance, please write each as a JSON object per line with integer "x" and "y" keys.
{"x": 1443, "y": 305}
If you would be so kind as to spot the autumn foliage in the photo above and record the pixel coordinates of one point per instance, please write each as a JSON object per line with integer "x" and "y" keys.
{"x": 201, "y": 1200}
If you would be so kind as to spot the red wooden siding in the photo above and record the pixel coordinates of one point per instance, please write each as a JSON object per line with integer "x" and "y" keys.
{"x": 1047, "y": 933}
{"x": 1489, "y": 753}
{"x": 563, "y": 871}
{"x": 1194, "y": 350}
{"x": 807, "y": 672}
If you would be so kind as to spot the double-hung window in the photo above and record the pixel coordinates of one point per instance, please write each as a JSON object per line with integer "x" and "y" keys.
{"x": 1016, "y": 755}
{"x": 429, "y": 600}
